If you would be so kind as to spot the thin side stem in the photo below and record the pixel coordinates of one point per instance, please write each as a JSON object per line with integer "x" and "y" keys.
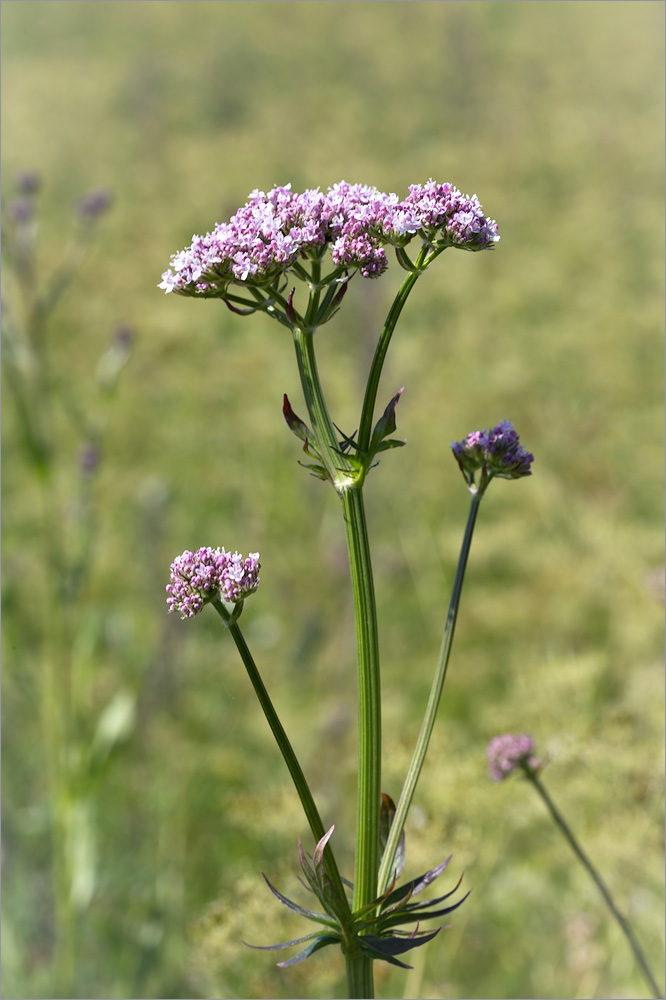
{"x": 421, "y": 748}
{"x": 424, "y": 257}
{"x": 598, "y": 881}
{"x": 286, "y": 749}
{"x": 375, "y": 374}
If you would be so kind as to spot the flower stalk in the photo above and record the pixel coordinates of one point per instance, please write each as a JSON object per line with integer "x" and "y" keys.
{"x": 416, "y": 765}
{"x": 282, "y": 740}
{"x": 622, "y": 922}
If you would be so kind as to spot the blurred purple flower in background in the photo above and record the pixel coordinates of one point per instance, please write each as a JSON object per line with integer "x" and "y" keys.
{"x": 511, "y": 752}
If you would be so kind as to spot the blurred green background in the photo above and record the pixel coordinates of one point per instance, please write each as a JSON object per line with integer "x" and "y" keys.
{"x": 553, "y": 114}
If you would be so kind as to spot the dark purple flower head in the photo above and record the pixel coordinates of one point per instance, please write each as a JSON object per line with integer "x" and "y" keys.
{"x": 28, "y": 182}
{"x": 199, "y": 577}
{"x": 511, "y": 752}
{"x": 89, "y": 458}
{"x": 20, "y": 210}
{"x": 276, "y": 229}
{"x": 94, "y": 204}
{"x": 123, "y": 336}
{"x": 497, "y": 452}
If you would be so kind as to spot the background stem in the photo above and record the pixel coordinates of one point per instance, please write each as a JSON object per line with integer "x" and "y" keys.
{"x": 598, "y": 881}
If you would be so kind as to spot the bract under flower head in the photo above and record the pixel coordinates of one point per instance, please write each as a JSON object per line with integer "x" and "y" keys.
{"x": 276, "y": 229}
{"x": 510, "y": 752}
{"x": 201, "y": 576}
{"x": 497, "y": 452}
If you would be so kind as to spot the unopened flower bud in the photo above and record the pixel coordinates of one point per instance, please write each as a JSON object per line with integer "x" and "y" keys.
{"x": 497, "y": 452}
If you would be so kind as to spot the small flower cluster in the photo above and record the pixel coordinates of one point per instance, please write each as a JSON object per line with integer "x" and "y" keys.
{"x": 199, "y": 577}
{"x": 274, "y": 229}
{"x": 510, "y": 752}
{"x": 497, "y": 452}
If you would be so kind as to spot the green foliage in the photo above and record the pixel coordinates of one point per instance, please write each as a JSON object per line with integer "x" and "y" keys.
{"x": 553, "y": 114}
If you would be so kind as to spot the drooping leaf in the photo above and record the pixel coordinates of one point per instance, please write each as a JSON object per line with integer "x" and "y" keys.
{"x": 397, "y": 918}
{"x": 285, "y": 944}
{"x": 416, "y": 885}
{"x": 310, "y": 914}
{"x": 386, "y": 948}
{"x": 321, "y": 942}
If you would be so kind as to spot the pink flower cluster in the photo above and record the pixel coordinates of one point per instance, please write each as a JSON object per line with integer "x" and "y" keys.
{"x": 510, "y": 752}
{"x": 199, "y": 577}
{"x": 498, "y": 451}
{"x": 269, "y": 234}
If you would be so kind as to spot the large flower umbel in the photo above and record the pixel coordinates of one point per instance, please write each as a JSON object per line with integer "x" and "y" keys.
{"x": 277, "y": 230}
{"x": 210, "y": 574}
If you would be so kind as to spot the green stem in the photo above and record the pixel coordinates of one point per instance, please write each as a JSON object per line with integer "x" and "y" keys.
{"x": 365, "y": 426}
{"x": 367, "y": 822}
{"x": 369, "y": 718}
{"x": 360, "y": 976}
{"x": 359, "y": 966}
{"x": 596, "y": 878}
{"x": 286, "y": 749}
{"x": 421, "y": 748}
{"x": 335, "y": 464}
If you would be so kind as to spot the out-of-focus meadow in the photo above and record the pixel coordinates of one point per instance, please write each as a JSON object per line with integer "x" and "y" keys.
{"x": 553, "y": 115}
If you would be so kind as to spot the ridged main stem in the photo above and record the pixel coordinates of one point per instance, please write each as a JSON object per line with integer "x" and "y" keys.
{"x": 359, "y": 967}
{"x": 369, "y": 715}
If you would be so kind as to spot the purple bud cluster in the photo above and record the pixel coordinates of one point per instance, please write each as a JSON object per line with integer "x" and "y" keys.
{"x": 199, "y": 577}
{"x": 273, "y": 230}
{"x": 497, "y": 452}
{"x": 510, "y": 752}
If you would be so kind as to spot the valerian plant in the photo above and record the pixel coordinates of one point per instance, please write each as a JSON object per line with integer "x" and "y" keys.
{"x": 291, "y": 256}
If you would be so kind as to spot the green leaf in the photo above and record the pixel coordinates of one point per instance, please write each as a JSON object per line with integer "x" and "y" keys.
{"x": 317, "y": 945}
{"x": 386, "y": 423}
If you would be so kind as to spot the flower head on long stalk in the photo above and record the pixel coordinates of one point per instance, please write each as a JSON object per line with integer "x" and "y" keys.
{"x": 497, "y": 452}
{"x": 511, "y": 752}
{"x": 210, "y": 574}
